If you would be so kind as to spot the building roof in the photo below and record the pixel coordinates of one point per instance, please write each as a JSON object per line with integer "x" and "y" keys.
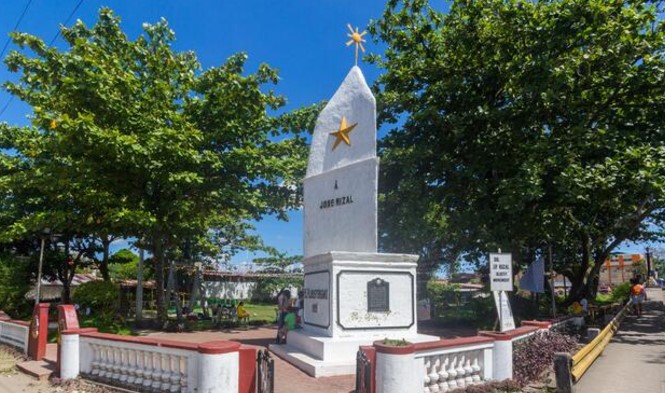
{"x": 52, "y": 289}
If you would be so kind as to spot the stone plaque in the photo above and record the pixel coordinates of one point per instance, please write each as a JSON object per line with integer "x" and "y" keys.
{"x": 378, "y": 299}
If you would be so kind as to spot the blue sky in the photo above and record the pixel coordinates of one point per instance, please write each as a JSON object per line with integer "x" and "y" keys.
{"x": 304, "y": 39}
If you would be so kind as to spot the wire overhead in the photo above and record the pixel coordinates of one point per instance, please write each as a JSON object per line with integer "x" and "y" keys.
{"x": 57, "y": 34}
{"x": 71, "y": 14}
{"x": 18, "y": 22}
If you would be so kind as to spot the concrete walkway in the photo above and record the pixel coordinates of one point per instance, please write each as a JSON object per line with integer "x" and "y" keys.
{"x": 634, "y": 361}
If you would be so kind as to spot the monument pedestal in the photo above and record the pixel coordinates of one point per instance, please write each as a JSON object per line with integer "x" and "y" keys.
{"x": 352, "y": 299}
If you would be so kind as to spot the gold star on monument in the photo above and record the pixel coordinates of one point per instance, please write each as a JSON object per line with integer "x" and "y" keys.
{"x": 343, "y": 133}
{"x": 357, "y": 38}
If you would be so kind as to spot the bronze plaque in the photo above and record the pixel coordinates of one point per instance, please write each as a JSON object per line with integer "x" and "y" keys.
{"x": 378, "y": 295}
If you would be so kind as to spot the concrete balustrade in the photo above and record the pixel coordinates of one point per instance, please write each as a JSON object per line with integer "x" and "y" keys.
{"x": 448, "y": 364}
{"x": 451, "y": 364}
{"x": 15, "y": 333}
{"x": 156, "y": 365}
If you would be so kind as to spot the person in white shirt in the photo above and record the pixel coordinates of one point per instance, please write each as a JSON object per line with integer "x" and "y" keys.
{"x": 283, "y": 299}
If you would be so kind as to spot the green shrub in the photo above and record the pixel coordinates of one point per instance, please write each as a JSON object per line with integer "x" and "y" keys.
{"x": 101, "y": 296}
{"x": 15, "y": 278}
{"x": 621, "y": 292}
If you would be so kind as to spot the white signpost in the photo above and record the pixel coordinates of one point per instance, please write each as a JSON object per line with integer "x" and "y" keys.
{"x": 501, "y": 279}
{"x": 501, "y": 272}
{"x": 506, "y": 320}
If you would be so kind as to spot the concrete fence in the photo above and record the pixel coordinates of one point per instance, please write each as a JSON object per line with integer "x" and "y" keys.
{"x": 157, "y": 365}
{"x": 448, "y": 364}
{"x": 15, "y": 333}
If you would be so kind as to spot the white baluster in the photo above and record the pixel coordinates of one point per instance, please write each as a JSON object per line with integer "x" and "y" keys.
{"x": 460, "y": 373}
{"x": 156, "y": 371}
{"x": 94, "y": 366}
{"x": 468, "y": 371}
{"x": 434, "y": 375}
{"x": 428, "y": 366}
{"x": 166, "y": 372}
{"x": 443, "y": 374}
{"x": 140, "y": 368}
{"x": 175, "y": 373}
{"x": 124, "y": 363}
{"x": 116, "y": 364}
{"x": 131, "y": 366}
{"x": 182, "y": 363}
{"x": 104, "y": 361}
{"x": 452, "y": 373}
{"x": 476, "y": 369}
{"x": 148, "y": 371}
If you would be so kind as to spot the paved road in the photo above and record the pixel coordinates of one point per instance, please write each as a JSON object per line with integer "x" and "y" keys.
{"x": 634, "y": 361}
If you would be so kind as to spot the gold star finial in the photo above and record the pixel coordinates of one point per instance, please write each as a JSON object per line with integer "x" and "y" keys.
{"x": 342, "y": 135}
{"x": 356, "y": 38}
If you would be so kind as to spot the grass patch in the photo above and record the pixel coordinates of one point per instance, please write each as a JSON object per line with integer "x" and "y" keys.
{"x": 259, "y": 312}
{"x": 107, "y": 324}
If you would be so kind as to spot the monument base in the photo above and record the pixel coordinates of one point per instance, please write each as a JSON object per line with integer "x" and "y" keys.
{"x": 352, "y": 299}
{"x": 327, "y": 356}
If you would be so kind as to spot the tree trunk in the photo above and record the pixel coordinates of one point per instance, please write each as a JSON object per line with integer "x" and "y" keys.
{"x": 592, "y": 279}
{"x": 158, "y": 257}
{"x": 104, "y": 264}
{"x": 172, "y": 291}
{"x": 579, "y": 288}
{"x": 194, "y": 293}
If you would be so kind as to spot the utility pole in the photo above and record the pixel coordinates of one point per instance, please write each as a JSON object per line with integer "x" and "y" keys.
{"x": 45, "y": 233}
{"x": 649, "y": 273}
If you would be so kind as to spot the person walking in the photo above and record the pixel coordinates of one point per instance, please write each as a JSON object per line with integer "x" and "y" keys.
{"x": 637, "y": 296}
{"x": 283, "y": 299}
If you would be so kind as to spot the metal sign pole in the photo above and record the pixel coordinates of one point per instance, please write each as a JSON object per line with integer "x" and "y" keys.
{"x": 552, "y": 282}
{"x": 500, "y": 312}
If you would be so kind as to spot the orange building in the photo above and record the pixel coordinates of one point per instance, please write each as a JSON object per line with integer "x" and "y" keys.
{"x": 618, "y": 269}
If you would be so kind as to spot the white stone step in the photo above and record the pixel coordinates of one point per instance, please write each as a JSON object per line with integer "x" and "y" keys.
{"x": 312, "y": 367}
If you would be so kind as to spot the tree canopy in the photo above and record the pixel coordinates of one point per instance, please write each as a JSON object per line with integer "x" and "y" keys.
{"x": 130, "y": 138}
{"x": 521, "y": 124}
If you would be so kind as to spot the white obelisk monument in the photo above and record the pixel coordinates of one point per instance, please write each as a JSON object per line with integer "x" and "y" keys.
{"x": 353, "y": 295}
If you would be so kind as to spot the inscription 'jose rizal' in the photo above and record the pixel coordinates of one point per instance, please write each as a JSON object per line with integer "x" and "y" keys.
{"x": 378, "y": 295}
{"x": 336, "y": 202}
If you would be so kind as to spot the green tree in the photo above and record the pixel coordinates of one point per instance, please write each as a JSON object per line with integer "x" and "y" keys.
{"x": 129, "y": 138}
{"x": 528, "y": 123}
{"x": 15, "y": 277}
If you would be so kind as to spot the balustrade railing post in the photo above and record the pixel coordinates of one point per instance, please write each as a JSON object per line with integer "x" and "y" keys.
{"x": 396, "y": 370}
{"x": 218, "y": 367}
{"x": 69, "y": 360}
